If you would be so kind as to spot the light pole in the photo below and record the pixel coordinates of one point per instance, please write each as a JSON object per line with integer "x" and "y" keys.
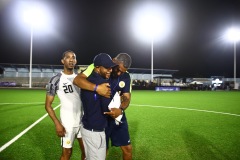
{"x": 35, "y": 16}
{"x": 152, "y": 60}
{"x": 234, "y": 48}
{"x": 233, "y": 34}
{"x": 29, "y": 18}
{"x": 30, "y": 67}
{"x": 150, "y": 23}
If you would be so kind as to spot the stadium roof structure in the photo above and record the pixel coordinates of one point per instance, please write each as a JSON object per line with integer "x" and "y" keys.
{"x": 40, "y": 66}
{"x": 155, "y": 71}
{"x": 163, "y": 72}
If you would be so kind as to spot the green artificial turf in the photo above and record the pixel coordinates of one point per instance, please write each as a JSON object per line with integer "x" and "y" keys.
{"x": 181, "y": 125}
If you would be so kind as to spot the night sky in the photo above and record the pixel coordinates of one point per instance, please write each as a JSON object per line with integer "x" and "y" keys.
{"x": 195, "y": 47}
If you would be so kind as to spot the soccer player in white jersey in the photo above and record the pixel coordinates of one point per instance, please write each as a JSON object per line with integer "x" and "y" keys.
{"x": 69, "y": 124}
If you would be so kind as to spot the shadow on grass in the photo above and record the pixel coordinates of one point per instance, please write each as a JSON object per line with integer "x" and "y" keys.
{"x": 200, "y": 148}
{"x": 45, "y": 141}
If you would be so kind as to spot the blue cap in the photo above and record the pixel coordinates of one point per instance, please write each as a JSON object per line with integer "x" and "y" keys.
{"x": 104, "y": 60}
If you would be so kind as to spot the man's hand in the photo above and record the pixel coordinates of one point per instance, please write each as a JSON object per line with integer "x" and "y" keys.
{"x": 60, "y": 130}
{"x": 114, "y": 113}
{"x": 104, "y": 90}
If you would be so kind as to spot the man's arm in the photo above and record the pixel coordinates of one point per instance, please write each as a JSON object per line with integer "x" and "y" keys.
{"x": 48, "y": 106}
{"x": 81, "y": 81}
{"x": 125, "y": 101}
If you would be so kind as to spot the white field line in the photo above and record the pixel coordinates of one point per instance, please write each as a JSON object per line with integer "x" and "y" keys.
{"x": 189, "y": 109}
{"x": 25, "y": 131}
{"x": 31, "y": 126}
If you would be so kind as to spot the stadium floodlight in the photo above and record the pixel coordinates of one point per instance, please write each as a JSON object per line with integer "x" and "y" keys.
{"x": 151, "y": 22}
{"x": 233, "y": 35}
{"x": 35, "y": 16}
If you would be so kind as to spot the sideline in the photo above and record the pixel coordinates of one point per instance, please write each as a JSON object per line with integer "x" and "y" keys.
{"x": 25, "y": 131}
{"x": 189, "y": 109}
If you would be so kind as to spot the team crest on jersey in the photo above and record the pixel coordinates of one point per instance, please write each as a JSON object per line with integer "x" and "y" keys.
{"x": 121, "y": 84}
{"x": 68, "y": 141}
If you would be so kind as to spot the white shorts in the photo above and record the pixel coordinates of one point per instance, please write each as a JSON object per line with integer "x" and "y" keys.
{"x": 94, "y": 144}
{"x": 68, "y": 140}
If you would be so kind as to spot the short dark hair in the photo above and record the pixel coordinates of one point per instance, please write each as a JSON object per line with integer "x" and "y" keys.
{"x": 64, "y": 53}
{"x": 125, "y": 59}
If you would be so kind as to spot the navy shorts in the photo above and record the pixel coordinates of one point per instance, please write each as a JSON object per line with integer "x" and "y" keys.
{"x": 118, "y": 134}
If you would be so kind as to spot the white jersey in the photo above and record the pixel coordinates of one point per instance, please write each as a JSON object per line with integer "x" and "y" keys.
{"x": 69, "y": 95}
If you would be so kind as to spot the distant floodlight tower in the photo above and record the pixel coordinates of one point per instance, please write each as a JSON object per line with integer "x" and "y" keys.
{"x": 233, "y": 35}
{"x": 151, "y": 22}
{"x": 35, "y": 16}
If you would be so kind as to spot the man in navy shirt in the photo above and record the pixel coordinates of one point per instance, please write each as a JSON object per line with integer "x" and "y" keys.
{"x": 94, "y": 120}
{"x": 119, "y": 81}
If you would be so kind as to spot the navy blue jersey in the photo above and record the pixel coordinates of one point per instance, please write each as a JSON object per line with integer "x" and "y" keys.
{"x": 94, "y": 105}
{"x": 121, "y": 83}
{"x": 119, "y": 134}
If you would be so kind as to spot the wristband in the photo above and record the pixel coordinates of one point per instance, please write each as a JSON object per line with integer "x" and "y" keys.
{"x": 95, "y": 88}
{"x": 122, "y": 109}
{"x": 95, "y": 94}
